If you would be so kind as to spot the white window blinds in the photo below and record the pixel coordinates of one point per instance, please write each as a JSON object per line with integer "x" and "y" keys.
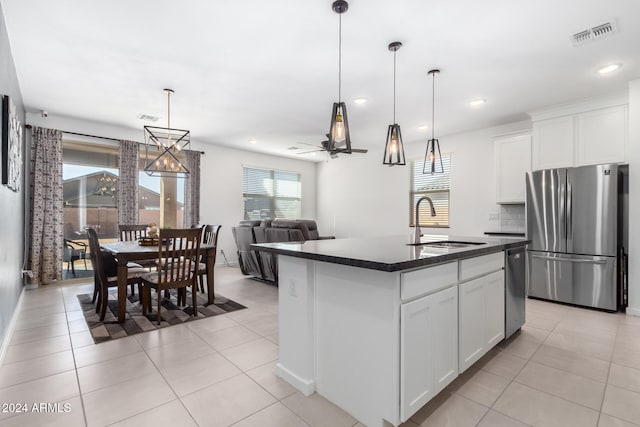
{"x": 436, "y": 187}
{"x": 270, "y": 194}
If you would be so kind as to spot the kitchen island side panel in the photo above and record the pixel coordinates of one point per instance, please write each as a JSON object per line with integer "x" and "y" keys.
{"x": 296, "y": 363}
{"x": 358, "y": 338}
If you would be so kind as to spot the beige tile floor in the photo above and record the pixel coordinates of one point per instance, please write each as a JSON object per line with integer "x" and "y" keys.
{"x": 568, "y": 367}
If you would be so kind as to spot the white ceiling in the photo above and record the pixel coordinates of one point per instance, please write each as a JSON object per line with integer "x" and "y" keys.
{"x": 267, "y": 70}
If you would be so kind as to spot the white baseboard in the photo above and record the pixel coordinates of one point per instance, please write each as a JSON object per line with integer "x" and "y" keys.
{"x": 307, "y": 387}
{"x": 633, "y": 311}
{"x": 9, "y": 333}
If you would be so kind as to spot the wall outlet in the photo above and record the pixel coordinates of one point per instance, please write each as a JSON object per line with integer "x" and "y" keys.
{"x": 494, "y": 216}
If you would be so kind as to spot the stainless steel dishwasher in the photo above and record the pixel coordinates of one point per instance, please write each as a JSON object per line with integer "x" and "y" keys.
{"x": 514, "y": 307}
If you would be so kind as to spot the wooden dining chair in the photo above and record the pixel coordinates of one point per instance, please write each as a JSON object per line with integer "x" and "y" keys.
{"x": 178, "y": 268}
{"x": 209, "y": 237}
{"x": 105, "y": 276}
{"x": 129, "y": 233}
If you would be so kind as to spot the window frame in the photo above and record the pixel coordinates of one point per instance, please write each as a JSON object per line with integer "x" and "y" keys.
{"x": 413, "y": 193}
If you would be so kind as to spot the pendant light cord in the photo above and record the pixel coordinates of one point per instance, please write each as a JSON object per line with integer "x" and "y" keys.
{"x": 433, "y": 106}
{"x": 340, "y": 58}
{"x": 394, "y": 87}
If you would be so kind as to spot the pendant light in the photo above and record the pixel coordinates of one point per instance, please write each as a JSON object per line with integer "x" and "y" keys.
{"x": 339, "y": 138}
{"x": 393, "y": 148}
{"x": 164, "y": 147}
{"x": 430, "y": 162}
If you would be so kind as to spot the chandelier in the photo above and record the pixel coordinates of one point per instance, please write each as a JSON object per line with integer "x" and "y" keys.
{"x": 165, "y": 147}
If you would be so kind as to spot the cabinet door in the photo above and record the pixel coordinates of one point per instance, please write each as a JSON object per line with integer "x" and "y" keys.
{"x": 428, "y": 348}
{"x": 494, "y": 309}
{"x": 553, "y": 143}
{"x": 444, "y": 331}
{"x": 513, "y": 161}
{"x": 602, "y": 136}
{"x": 471, "y": 330}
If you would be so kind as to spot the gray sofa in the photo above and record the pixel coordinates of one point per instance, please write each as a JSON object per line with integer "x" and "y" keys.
{"x": 263, "y": 265}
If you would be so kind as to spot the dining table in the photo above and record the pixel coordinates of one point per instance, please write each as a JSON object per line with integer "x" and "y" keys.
{"x": 132, "y": 251}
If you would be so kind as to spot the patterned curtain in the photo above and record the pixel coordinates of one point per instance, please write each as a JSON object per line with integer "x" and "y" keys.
{"x": 45, "y": 255}
{"x": 192, "y": 190}
{"x": 128, "y": 183}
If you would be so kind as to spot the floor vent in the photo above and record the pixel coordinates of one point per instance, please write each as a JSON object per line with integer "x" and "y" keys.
{"x": 594, "y": 33}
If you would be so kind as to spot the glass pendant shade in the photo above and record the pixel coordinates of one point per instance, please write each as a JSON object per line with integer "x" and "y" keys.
{"x": 432, "y": 157}
{"x": 339, "y": 139}
{"x": 431, "y": 163}
{"x": 394, "y": 149}
{"x": 165, "y": 148}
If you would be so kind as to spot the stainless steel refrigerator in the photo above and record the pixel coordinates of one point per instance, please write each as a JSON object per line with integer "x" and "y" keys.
{"x": 572, "y": 225}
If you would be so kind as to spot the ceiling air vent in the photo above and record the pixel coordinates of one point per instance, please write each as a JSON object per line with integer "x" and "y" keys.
{"x": 594, "y": 33}
{"x": 148, "y": 118}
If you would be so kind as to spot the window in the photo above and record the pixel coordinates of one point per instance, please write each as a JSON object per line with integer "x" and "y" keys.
{"x": 435, "y": 186}
{"x": 270, "y": 194}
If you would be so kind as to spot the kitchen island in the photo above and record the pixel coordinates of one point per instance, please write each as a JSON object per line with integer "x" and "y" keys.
{"x": 379, "y": 327}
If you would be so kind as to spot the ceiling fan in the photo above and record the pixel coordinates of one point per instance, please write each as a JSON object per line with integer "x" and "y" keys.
{"x": 332, "y": 153}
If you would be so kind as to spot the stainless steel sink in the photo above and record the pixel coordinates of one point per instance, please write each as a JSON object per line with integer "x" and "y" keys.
{"x": 450, "y": 244}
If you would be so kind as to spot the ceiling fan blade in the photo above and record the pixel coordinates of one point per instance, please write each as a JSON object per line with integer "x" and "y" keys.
{"x": 359, "y": 150}
{"x": 307, "y": 152}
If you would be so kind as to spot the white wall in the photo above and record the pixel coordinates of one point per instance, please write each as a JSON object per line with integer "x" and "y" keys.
{"x": 221, "y": 199}
{"x": 368, "y": 199}
{"x": 12, "y": 204}
{"x": 634, "y": 198}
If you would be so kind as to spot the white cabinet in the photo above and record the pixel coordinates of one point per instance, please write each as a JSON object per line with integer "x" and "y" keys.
{"x": 513, "y": 160}
{"x": 602, "y": 136}
{"x": 591, "y": 137}
{"x": 553, "y": 141}
{"x": 481, "y": 311}
{"x": 428, "y": 348}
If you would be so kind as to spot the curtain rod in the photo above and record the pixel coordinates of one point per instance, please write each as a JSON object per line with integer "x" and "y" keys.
{"x": 96, "y": 136}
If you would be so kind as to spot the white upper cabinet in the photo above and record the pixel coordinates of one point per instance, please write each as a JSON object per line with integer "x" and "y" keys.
{"x": 602, "y": 136}
{"x": 588, "y": 133}
{"x": 513, "y": 160}
{"x": 553, "y": 141}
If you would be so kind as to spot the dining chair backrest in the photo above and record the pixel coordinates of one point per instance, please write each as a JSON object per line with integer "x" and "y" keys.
{"x": 132, "y": 232}
{"x": 177, "y": 254}
{"x": 210, "y": 235}
{"x": 95, "y": 255}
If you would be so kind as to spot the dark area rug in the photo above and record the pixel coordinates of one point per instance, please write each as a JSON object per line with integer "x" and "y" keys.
{"x": 136, "y": 323}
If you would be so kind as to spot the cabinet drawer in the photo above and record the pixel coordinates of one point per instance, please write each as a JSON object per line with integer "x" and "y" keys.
{"x": 424, "y": 281}
{"x": 474, "y": 267}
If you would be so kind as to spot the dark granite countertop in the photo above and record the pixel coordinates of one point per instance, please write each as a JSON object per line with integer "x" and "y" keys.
{"x": 389, "y": 253}
{"x": 505, "y": 233}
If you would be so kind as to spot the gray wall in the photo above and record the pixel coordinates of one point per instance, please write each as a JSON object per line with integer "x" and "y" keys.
{"x": 11, "y": 204}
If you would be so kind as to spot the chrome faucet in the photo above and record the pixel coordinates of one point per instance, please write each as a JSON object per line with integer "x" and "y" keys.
{"x": 418, "y": 232}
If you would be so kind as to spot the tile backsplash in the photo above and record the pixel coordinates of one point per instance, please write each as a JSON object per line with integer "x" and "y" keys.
{"x": 512, "y": 218}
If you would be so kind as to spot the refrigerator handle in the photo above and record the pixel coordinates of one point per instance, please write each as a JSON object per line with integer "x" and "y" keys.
{"x": 574, "y": 260}
{"x": 569, "y": 213}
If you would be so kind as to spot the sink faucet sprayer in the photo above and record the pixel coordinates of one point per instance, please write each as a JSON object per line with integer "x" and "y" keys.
{"x": 418, "y": 232}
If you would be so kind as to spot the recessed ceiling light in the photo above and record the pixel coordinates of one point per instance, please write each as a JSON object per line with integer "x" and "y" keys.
{"x": 360, "y": 101}
{"x": 477, "y": 102}
{"x": 609, "y": 68}
{"x": 253, "y": 141}
{"x": 423, "y": 127}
